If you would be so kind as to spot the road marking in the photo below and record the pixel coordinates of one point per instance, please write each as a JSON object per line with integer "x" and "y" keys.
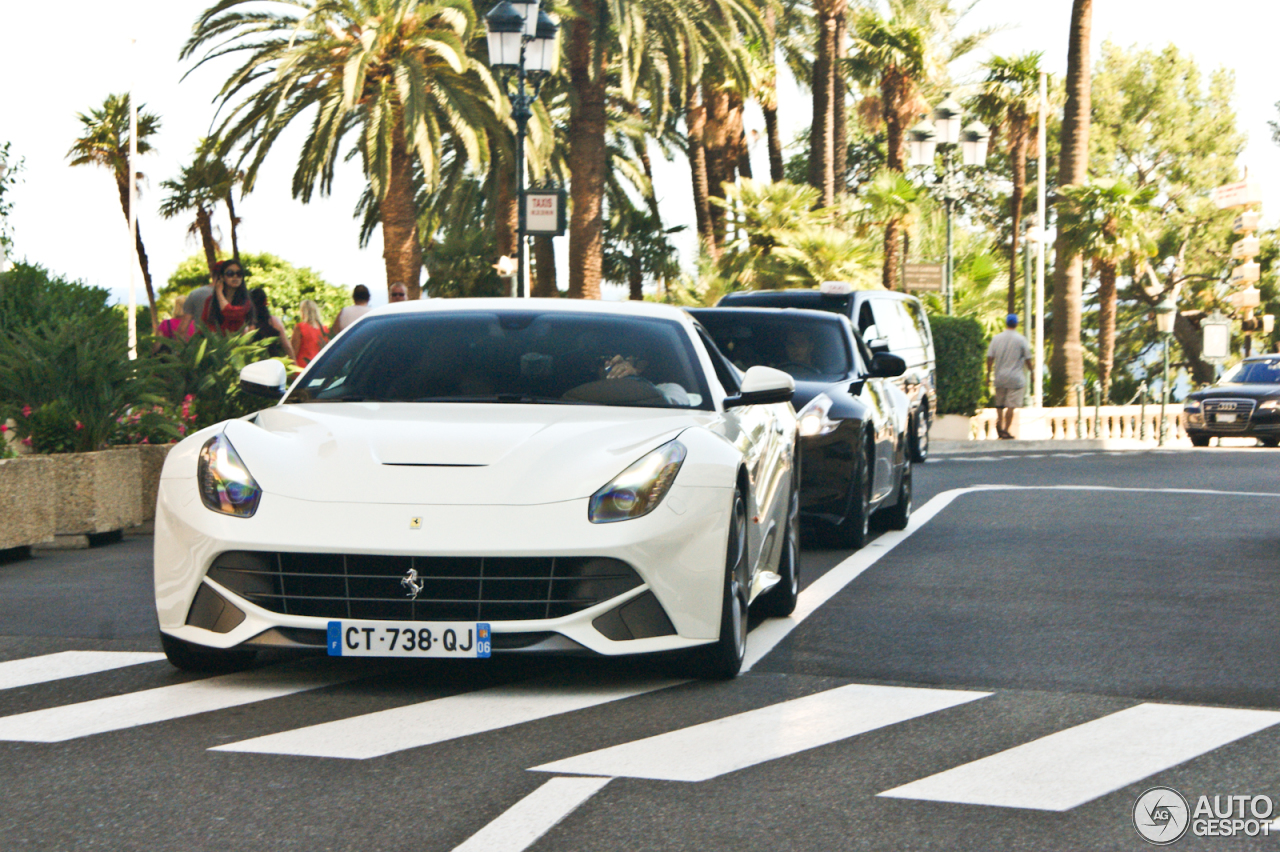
{"x": 771, "y": 631}
{"x": 389, "y": 731}
{"x": 66, "y": 664}
{"x": 161, "y": 704}
{"x": 533, "y": 816}
{"x": 745, "y": 739}
{"x": 1067, "y": 769}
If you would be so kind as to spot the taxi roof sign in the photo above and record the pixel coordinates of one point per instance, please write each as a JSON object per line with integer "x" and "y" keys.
{"x": 836, "y": 288}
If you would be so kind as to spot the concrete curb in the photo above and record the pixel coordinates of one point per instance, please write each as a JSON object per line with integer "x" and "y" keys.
{"x": 947, "y": 448}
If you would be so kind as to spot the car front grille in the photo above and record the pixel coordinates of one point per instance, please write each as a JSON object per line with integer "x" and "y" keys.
{"x": 1215, "y": 408}
{"x": 465, "y": 588}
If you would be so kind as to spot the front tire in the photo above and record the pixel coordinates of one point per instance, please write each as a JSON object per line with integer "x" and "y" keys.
{"x": 1269, "y": 442}
{"x": 780, "y": 601}
{"x": 855, "y": 529}
{"x": 1199, "y": 440}
{"x": 898, "y": 515}
{"x": 723, "y": 660}
{"x": 920, "y": 436}
{"x": 194, "y": 658}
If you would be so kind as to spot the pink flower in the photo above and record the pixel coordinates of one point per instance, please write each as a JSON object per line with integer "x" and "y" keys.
{"x": 79, "y": 425}
{"x": 182, "y": 429}
{"x": 26, "y": 441}
{"x": 3, "y": 428}
{"x": 188, "y": 397}
{"x": 144, "y": 441}
{"x": 26, "y": 411}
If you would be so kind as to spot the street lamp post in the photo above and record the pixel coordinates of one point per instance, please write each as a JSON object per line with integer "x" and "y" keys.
{"x": 947, "y": 130}
{"x": 1166, "y": 314}
{"x": 522, "y": 45}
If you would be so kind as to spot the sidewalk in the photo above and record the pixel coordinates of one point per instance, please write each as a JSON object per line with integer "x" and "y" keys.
{"x": 946, "y": 448}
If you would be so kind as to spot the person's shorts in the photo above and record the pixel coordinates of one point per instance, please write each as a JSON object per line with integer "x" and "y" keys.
{"x": 1008, "y": 397}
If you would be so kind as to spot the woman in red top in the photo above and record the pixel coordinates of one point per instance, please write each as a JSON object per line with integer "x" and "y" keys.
{"x": 310, "y": 334}
{"x": 230, "y": 308}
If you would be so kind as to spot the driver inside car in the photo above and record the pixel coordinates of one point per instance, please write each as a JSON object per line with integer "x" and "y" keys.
{"x": 621, "y": 367}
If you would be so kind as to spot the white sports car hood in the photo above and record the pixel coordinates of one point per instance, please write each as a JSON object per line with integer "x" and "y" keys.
{"x": 448, "y": 453}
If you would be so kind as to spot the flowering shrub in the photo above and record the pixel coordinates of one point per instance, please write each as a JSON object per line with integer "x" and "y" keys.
{"x": 153, "y": 424}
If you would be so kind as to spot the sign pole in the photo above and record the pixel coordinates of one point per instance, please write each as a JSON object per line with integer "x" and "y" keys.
{"x": 1040, "y": 226}
{"x": 133, "y": 206}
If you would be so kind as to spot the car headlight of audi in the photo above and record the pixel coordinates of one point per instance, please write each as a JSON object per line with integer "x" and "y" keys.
{"x": 226, "y": 486}
{"x": 639, "y": 489}
{"x": 1269, "y": 405}
{"x": 813, "y": 420}
{"x": 1191, "y": 405}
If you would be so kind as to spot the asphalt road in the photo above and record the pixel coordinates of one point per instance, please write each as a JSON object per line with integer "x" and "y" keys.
{"x": 1064, "y": 632}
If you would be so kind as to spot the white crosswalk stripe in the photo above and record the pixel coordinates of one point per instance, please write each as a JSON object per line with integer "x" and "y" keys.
{"x": 736, "y": 742}
{"x": 1066, "y": 769}
{"x": 163, "y": 703}
{"x": 389, "y": 731}
{"x": 33, "y": 670}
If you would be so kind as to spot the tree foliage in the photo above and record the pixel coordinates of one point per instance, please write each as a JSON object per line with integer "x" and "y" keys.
{"x": 286, "y": 285}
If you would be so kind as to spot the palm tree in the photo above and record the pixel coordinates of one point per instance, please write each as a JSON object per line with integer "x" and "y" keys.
{"x": 105, "y": 142}
{"x": 395, "y": 72}
{"x": 638, "y": 247}
{"x": 1106, "y": 221}
{"x": 898, "y": 57}
{"x": 1066, "y": 367}
{"x": 197, "y": 191}
{"x": 827, "y": 86}
{"x": 1009, "y": 103}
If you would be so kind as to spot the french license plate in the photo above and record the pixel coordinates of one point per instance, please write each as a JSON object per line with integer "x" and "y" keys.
{"x": 1226, "y": 418}
{"x": 467, "y": 639}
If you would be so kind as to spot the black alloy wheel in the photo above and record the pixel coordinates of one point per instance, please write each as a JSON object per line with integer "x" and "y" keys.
{"x": 723, "y": 659}
{"x": 920, "y": 436}
{"x": 195, "y": 658}
{"x": 897, "y": 516}
{"x": 855, "y": 529}
{"x": 780, "y": 601}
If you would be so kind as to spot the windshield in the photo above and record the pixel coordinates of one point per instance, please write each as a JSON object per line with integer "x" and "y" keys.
{"x": 1253, "y": 373}
{"x": 808, "y": 348}
{"x": 517, "y": 356}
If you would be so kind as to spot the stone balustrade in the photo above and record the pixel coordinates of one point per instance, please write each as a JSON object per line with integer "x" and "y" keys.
{"x": 1058, "y": 424}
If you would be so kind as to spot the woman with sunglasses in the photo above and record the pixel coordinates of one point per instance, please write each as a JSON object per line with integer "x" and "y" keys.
{"x": 230, "y": 309}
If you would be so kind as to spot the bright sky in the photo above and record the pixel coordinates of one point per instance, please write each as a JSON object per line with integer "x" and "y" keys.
{"x": 69, "y": 219}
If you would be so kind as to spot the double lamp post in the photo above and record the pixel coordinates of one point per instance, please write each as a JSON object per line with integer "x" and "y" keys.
{"x": 947, "y": 130}
{"x": 522, "y": 48}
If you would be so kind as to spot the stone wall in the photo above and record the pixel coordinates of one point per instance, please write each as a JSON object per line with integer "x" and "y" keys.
{"x": 28, "y": 500}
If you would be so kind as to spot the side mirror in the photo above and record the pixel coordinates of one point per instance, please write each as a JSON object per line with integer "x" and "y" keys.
{"x": 761, "y": 386}
{"x": 874, "y": 340}
{"x": 264, "y": 378}
{"x": 886, "y": 366}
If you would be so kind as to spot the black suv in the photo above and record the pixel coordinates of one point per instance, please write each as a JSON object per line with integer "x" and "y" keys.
{"x": 888, "y": 322}
{"x": 1245, "y": 403}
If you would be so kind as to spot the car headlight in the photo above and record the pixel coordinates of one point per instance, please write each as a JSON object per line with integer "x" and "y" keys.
{"x": 639, "y": 489}
{"x": 1269, "y": 405}
{"x": 812, "y": 419}
{"x": 226, "y": 485}
{"x": 1191, "y": 405}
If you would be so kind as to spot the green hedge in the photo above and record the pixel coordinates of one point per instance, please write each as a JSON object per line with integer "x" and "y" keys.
{"x": 961, "y": 348}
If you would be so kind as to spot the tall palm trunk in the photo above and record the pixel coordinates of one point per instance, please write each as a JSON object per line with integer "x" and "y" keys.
{"x": 401, "y": 250}
{"x": 823, "y": 129}
{"x": 840, "y": 118}
{"x": 506, "y": 208}
{"x": 642, "y": 151}
{"x": 205, "y": 226}
{"x": 544, "y": 268}
{"x": 235, "y": 223}
{"x": 769, "y": 101}
{"x": 1018, "y": 146}
{"x": 696, "y": 125}
{"x": 893, "y": 94}
{"x": 1066, "y": 368}
{"x": 122, "y": 185}
{"x": 1106, "y": 328}
{"x": 635, "y": 279}
{"x": 588, "y": 153}
{"x": 722, "y": 141}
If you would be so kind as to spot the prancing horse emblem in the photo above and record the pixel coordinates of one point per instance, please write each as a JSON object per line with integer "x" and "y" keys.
{"x": 412, "y": 585}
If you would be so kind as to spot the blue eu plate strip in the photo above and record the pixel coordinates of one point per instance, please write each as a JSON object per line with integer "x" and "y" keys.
{"x": 335, "y": 638}
{"x": 482, "y": 640}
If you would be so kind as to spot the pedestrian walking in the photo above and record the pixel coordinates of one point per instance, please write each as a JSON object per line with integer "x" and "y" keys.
{"x": 1008, "y": 355}
{"x": 269, "y": 329}
{"x": 353, "y": 312}
{"x": 230, "y": 310}
{"x": 397, "y": 293}
{"x": 310, "y": 334}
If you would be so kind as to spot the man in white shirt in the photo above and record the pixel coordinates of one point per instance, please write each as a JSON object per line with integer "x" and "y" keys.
{"x": 1008, "y": 354}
